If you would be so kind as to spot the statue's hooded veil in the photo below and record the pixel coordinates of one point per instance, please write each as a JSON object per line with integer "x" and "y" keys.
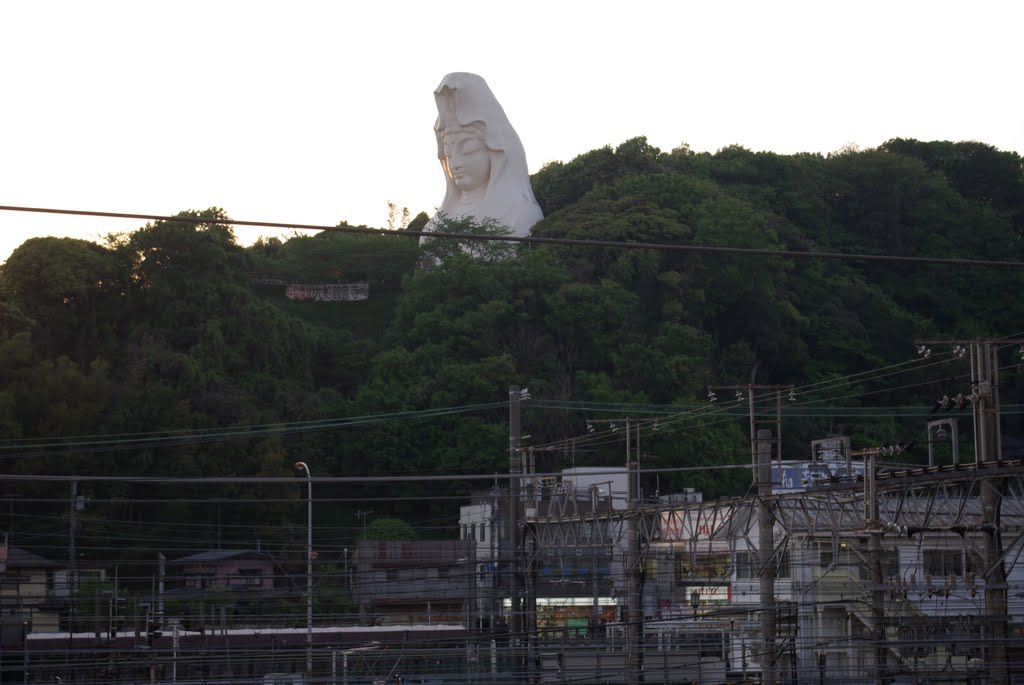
{"x": 464, "y": 99}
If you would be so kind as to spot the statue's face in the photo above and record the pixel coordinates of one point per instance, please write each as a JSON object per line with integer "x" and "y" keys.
{"x": 468, "y": 160}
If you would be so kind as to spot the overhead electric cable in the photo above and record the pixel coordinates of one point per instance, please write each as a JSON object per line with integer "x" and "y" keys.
{"x": 533, "y": 240}
{"x": 683, "y": 419}
{"x": 183, "y": 437}
{"x": 386, "y": 478}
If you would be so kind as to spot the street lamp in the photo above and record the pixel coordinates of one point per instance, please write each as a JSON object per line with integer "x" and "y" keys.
{"x": 302, "y": 466}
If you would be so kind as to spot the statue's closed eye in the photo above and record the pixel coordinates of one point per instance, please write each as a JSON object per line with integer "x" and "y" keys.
{"x": 469, "y": 146}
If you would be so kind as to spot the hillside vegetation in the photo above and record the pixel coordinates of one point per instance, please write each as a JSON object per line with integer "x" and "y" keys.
{"x": 162, "y": 354}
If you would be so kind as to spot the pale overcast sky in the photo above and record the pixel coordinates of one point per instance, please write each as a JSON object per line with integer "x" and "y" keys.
{"x": 314, "y": 112}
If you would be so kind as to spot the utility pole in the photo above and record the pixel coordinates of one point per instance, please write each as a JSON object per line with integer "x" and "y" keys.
{"x": 873, "y": 529}
{"x": 73, "y": 527}
{"x": 761, "y": 443}
{"x": 988, "y": 448}
{"x": 303, "y": 466}
{"x": 467, "y": 555}
{"x": 766, "y": 555}
{"x": 162, "y": 574}
{"x": 515, "y": 469}
{"x": 362, "y": 516}
{"x": 529, "y": 567}
{"x": 493, "y": 575}
{"x": 72, "y": 581}
{"x": 985, "y": 377}
{"x": 634, "y": 585}
{"x": 775, "y": 423}
{"x": 633, "y": 562}
{"x": 362, "y": 553}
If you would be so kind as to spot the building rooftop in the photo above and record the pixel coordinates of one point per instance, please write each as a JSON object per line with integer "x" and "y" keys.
{"x": 214, "y": 556}
{"x": 20, "y": 558}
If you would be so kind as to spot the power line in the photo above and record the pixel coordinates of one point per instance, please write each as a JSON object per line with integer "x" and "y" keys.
{"x": 392, "y": 478}
{"x": 86, "y": 444}
{"x": 175, "y": 437}
{"x": 677, "y": 419}
{"x": 534, "y": 240}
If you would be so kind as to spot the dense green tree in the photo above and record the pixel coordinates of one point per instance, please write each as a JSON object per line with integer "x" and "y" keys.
{"x": 436, "y": 250}
{"x": 559, "y": 185}
{"x": 72, "y": 288}
{"x": 389, "y": 529}
{"x": 337, "y": 257}
{"x": 181, "y": 347}
{"x": 978, "y": 172}
{"x": 418, "y": 223}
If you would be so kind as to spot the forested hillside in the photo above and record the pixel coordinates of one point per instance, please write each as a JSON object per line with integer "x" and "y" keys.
{"x": 173, "y": 351}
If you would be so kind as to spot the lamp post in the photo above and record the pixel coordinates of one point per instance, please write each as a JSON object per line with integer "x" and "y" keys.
{"x": 302, "y": 466}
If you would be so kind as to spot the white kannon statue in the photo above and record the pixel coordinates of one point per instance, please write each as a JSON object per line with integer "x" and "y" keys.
{"x": 483, "y": 160}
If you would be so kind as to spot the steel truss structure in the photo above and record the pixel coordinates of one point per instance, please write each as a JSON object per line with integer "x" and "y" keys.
{"x": 937, "y": 504}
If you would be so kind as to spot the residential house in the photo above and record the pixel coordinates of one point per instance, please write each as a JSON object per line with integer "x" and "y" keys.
{"x": 35, "y": 591}
{"x": 230, "y": 569}
{"x": 414, "y": 581}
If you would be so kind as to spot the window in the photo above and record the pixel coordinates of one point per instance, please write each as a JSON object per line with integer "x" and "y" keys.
{"x": 945, "y": 562}
{"x": 382, "y": 550}
{"x": 703, "y": 566}
{"x": 709, "y": 645}
{"x": 392, "y": 575}
{"x": 843, "y": 557}
{"x": 251, "y": 577}
{"x": 483, "y": 533}
{"x": 442, "y": 573}
{"x": 744, "y": 566}
{"x": 782, "y": 565}
{"x": 891, "y": 563}
{"x": 200, "y": 580}
{"x": 406, "y": 550}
